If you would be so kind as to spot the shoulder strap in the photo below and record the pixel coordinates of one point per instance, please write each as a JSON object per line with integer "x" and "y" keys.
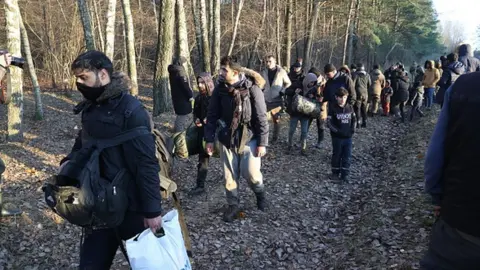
{"x": 122, "y": 137}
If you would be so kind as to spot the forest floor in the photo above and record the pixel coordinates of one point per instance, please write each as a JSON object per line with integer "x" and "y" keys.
{"x": 380, "y": 220}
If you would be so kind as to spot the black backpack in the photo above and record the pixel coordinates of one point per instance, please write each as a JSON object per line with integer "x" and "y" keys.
{"x": 81, "y": 196}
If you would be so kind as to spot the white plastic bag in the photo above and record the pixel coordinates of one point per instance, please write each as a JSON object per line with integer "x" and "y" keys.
{"x": 168, "y": 252}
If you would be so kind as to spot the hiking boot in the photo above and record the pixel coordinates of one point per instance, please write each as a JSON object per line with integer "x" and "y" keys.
{"x": 261, "y": 201}
{"x": 334, "y": 176}
{"x": 197, "y": 191}
{"x": 303, "y": 152}
{"x": 231, "y": 213}
{"x": 364, "y": 124}
{"x": 318, "y": 145}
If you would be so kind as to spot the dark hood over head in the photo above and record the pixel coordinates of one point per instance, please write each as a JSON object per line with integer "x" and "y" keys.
{"x": 208, "y": 80}
{"x": 465, "y": 50}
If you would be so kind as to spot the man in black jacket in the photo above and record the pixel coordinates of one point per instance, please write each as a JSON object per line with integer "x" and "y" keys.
{"x": 362, "y": 83}
{"x": 108, "y": 110}
{"x": 5, "y": 60}
{"x": 182, "y": 94}
{"x": 336, "y": 80}
{"x": 239, "y": 103}
{"x": 451, "y": 178}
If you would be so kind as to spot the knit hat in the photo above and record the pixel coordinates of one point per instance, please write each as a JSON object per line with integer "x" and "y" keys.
{"x": 329, "y": 68}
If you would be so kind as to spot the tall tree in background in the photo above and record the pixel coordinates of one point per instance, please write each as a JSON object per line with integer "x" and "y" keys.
{"x": 205, "y": 43}
{"x": 235, "y": 26}
{"x": 259, "y": 35}
{"x": 15, "y": 107}
{"x": 307, "y": 60}
{"x": 183, "y": 49}
{"x": 216, "y": 37}
{"x": 278, "y": 48}
{"x": 198, "y": 26}
{"x": 132, "y": 64}
{"x": 87, "y": 25}
{"x": 31, "y": 70}
{"x": 348, "y": 32}
{"x": 288, "y": 35}
{"x": 110, "y": 29}
{"x": 162, "y": 101}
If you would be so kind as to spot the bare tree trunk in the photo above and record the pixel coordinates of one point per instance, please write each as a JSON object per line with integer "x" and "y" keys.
{"x": 99, "y": 26}
{"x": 198, "y": 28}
{"x": 210, "y": 15}
{"x": 154, "y": 3}
{"x": 110, "y": 29}
{"x": 277, "y": 34}
{"x": 182, "y": 40}
{"x": 162, "y": 101}
{"x": 257, "y": 40}
{"x": 31, "y": 70}
{"x": 297, "y": 29}
{"x": 15, "y": 107}
{"x": 87, "y": 25}
{"x": 352, "y": 33}
{"x": 288, "y": 36}
{"x": 132, "y": 64}
{"x": 235, "y": 27}
{"x": 205, "y": 43}
{"x": 348, "y": 32}
{"x": 216, "y": 37}
{"x": 307, "y": 62}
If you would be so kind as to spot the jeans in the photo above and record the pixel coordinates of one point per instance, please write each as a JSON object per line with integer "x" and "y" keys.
{"x": 100, "y": 245}
{"x": 429, "y": 92}
{"x": 342, "y": 152}
{"x": 304, "y": 130}
{"x": 247, "y": 165}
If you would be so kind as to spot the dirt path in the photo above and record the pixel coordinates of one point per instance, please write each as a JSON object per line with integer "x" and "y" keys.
{"x": 378, "y": 221}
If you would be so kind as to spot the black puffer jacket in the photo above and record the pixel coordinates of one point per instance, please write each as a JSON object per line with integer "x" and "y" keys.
{"x": 180, "y": 89}
{"x": 105, "y": 119}
{"x": 200, "y": 108}
{"x": 400, "y": 85}
{"x": 222, "y": 106}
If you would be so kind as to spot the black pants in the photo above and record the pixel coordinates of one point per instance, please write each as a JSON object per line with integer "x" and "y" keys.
{"x": 100, "y": 245}
{"x": 450, "y": 249}
{"x": 320, "y": 128}
{"x": 2, "y": 169}
{"x": 203, "y": 160}
{"x": 361, "y": 110}
{"x": 342, "y": 153}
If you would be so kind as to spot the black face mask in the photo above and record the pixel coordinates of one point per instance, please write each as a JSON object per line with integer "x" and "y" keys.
{"x": 90, "y": 93}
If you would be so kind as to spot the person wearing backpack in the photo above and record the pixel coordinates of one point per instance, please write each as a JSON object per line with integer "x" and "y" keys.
{"x": 5, "y": 60}
{"x": 108, "y": 111}
{"x": 239, "y": 102}
{"x": 200, "y": 109}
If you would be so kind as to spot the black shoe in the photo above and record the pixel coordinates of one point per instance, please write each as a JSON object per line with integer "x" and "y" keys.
{"x": 344, "y": 178}
{"x": 364, "y": 124}
{"x": 335, "y": 176}
{"x": 231, "y": 214}
{"x": 303, "y": 152}
{"x": 261, "y": 201}
{"x": 10, "y": 212}
{"x": 196, "y": 191}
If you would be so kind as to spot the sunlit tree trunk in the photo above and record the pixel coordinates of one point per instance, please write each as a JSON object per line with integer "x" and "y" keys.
{"x": 110, "y": 29}
{"x": 132, "y": 64}
{"x": 87, "y": 25}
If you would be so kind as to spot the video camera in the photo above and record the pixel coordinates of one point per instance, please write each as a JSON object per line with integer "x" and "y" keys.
{"x": 16, "y": 61}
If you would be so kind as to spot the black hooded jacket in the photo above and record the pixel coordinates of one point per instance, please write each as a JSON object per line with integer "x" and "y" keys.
{"x": 200, "y": 108}
{"x": 471, "y": 63}
{"x": 105, "y": 119}
{"x": 180, "y": 89}
{"x": 222, "y": 106}
{"x": 400, "y": 86}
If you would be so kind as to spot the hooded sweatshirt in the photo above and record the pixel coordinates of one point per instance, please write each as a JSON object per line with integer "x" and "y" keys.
{"x": 465, "y": 55}
{"x": 200, "y": 108}
{"x": 180, "y": 89}
{"x": 431, "y": 77}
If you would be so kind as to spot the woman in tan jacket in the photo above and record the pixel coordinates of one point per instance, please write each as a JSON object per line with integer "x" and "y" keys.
{"x": 430, "y": 79}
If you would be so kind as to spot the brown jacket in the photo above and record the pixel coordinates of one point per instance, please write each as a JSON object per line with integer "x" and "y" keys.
{"x": 378, "y": 82}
